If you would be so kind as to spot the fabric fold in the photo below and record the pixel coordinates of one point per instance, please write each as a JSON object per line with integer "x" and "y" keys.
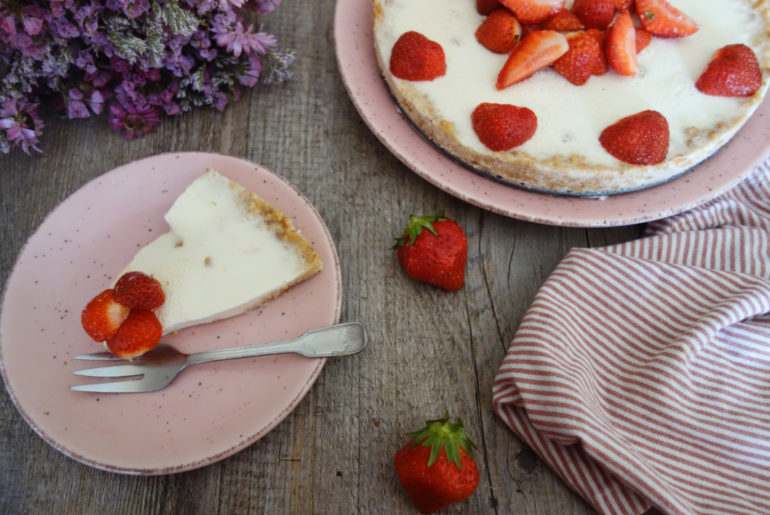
{"x": 641, "y": 372}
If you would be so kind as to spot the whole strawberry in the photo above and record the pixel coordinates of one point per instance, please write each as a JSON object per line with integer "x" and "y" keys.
{"x": 733, "y": 71}
{"x": 638, "y": 139}
{"x": 434, "y": 249}
{"x": 138, "y": 290}
{"x": 436, "y": 467}
{"x": 415, "y": 57}
{"x": 503, "y": 126}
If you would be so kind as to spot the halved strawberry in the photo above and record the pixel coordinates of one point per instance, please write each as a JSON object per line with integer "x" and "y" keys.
{"x": 664, "y": 20}
{"x": 536, "y": 50}
{"x": 139, "y": 290}
{"x": 139, "y": 333}
{"x": 415, "y": 57}
{"x": 102, "y": 316}
{"x": 596, "y": 14}
{"x": 643, "y": 39}
{"x": 487, "y": 6}
{"x": 639, "y": 139}
{"x": 623, "y": 5}
{"x": 503, "y": 126}
{"x": 620, "y": 45}
{"x": 533, "y": 11}
{"x": 564, "y": 21}
{"x": 601, "y": 66}
{"x": 732, "y": 72}
{"x": 499, "y": 32}
{"x": 578, "y": 64}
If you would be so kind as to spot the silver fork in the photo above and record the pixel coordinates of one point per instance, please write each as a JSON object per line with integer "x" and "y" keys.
{"x": 161, "y": 365}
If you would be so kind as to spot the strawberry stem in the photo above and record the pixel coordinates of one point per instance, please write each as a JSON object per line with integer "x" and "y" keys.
{"x": 441, "y": 434}
{"x": 415, "y": 228}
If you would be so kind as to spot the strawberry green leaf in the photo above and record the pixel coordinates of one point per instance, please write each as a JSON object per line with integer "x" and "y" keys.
{"x": 441, "y": 434}
{"x": 415, "y": 228}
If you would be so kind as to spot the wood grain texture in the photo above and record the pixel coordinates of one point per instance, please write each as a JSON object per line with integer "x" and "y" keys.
{"x": 431, "y": 351}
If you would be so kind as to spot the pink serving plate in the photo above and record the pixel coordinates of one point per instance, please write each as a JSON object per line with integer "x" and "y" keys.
{"x": 210, "y": 411}
{"x": 367, "y": 90}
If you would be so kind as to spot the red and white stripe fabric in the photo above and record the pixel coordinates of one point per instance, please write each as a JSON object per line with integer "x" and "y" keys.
{"x": 641, "y": 372}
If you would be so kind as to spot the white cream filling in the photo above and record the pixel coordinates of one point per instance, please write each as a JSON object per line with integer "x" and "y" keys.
{"x": 570, "y": 118}
{"x": 217, "y": 260}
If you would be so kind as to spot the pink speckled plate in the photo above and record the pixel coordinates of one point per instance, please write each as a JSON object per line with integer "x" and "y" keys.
{"x": 361, "y": 75}
{"x": 210, "y": 411}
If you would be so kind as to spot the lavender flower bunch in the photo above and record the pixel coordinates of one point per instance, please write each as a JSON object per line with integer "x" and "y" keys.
{"x": 135, "y": 59}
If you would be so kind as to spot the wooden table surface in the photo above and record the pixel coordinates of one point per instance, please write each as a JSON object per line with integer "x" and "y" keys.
{"x": 431, "y": 351}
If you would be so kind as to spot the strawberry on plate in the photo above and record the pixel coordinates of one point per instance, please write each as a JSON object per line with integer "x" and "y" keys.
{"x": 139, "y": 290}
{"x": 499, "y": 32}
{"x": 595, "y": 14}
{"x": 601, "y": 66}
{"x": 102, "y": 316}
{"x": 434, "y": 249}
{"x": 583, "y": 57}
{"x": 733, "y": 71}
{"x": 623, "y": 5}
{"x": 537, "y": 50}
{"x": 533, "y": 11}
{"x": 503, "y": 126}
{"x": 436, "y": 467}
{"x": 487, "y": 6}
{"x": 139, "y": 333}
{"x": 415, "y": 57}
{"x": 664, "y": 20}
{"x": 643, "y": 39}
{"x": 620, "y": 45}
{"x": 564, "y": 21}
{"x": 122, "y": 317}
{"x": 639, "y": 139}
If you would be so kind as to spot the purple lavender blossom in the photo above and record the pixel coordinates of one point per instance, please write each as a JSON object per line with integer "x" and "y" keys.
{"x": 75, "y": 106}
{"x": 263, "y": 6}
{"x": 21, "y": 124}
{"x": 134, "y": 120}
{"x": 243, "y": 39}
{"x": 140, "y": 58}
{"x": 250, "y": 75}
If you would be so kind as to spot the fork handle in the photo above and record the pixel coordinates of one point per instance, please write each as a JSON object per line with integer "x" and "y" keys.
{"x": 335, "y": 340}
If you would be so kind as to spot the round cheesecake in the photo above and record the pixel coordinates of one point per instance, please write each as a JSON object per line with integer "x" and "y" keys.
{"x": 564, "y": 155}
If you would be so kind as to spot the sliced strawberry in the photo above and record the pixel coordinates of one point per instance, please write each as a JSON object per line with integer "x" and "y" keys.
{"x": 102, "y": 316}
{"x": 533, "y": 11}
{"x": 487, "y": 6}
{"x": 564, "y": 21}
{"x": 620, "y": 45}
{"x": 415, "y": 57}
{"x": 499, "y": 32}
{"x": 580, "y": 61}
{"x": 664, "y": 20}
{"x": 139, "y": 333}
{"x": 537, "y": 50}
{"x": 601, "y": 66}
{"x": 623, "y": 5}
{"x": 503, "y": 126}
{"x": 639, "y": 139}
{"x": 643, "y": 39}
{"x": 596, "y": 14}
{"x": 139, "y": 290}
{"x": 732, "y": 72}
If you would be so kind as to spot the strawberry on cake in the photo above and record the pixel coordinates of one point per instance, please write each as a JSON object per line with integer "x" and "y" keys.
{"x": 227, "y": 251}
{"x": 584, "y": 97}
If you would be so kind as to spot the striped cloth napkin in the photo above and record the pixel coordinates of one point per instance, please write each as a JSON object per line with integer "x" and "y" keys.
{"x": 641, "y": 372}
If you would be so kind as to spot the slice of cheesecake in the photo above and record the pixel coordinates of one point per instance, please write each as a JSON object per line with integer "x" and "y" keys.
{"x": 227, "y": 251}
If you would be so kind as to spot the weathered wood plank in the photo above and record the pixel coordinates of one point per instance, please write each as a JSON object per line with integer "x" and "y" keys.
{"x": 431, "y": 350}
